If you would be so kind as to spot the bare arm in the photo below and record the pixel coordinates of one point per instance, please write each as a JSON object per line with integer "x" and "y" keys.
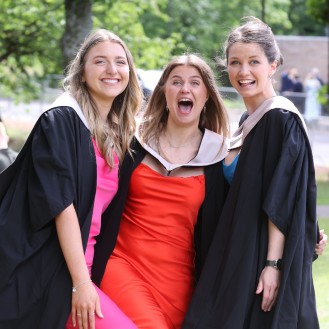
{"x": 85, "y": 300}
{"x": 269, "y": 280}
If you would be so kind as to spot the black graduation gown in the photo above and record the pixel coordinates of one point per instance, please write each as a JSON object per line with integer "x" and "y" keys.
{"x": 215, "y": 194}
{"x": 56, "y": 167}
{"x": 274, "y": 179}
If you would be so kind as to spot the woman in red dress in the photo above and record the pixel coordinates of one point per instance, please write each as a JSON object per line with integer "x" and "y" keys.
{"x": 151, "y": 273}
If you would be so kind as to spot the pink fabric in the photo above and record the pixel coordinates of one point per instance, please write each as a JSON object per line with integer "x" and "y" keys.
{"x": 114, "y": 318}
{"x": 107, "y": 186}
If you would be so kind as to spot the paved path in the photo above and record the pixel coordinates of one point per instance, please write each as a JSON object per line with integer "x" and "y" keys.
{"x": 323, "y": 211}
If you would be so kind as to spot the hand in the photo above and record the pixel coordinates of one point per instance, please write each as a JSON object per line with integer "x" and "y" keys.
{"x": 269, "y": 282}
{"x": 319, "y": 248}
{"x": 85, "y": 303}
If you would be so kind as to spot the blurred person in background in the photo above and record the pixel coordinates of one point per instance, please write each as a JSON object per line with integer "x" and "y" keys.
{"x": 7, "y": 154}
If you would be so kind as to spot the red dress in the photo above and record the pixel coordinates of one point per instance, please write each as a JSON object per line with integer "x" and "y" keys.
{"x": 150, "y": 273}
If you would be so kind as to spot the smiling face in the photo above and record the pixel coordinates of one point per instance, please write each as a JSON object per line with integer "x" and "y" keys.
{"x": 106, "y": 72}
{"x": 186, "y": 95}
{"x": 250, "y": 73}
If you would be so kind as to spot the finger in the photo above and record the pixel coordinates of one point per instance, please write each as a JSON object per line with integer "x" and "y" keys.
{"x": 99, "y": 310}
{"x": 265, "y": 301}
{"x": 85, "y": 320}
{"x": 259, "y": 288}
{"x": 268, "y": 296}
{"x": 73, "y": 316}
{"x": 91, "y": 315}
{"x": 273, "y": 300}
{"x": 79, "y": 317}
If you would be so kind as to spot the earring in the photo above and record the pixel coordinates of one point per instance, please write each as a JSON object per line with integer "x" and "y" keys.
{"x": 204, "y": 109}
{"x": 167, "y": 108}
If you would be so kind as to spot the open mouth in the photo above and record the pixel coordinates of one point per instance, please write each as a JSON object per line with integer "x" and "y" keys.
{"x": 185, "y": 105}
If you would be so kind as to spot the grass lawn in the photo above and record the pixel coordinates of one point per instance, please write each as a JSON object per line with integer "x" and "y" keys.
{"x": 323, "y": 192}
{"x": 321, "y": 281}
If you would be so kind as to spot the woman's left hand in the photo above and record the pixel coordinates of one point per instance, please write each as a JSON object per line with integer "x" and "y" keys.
{"x": 319, "y": 248}
{"x": 269, "y": 283}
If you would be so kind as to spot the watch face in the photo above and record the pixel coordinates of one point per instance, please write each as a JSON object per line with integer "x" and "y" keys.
{"x": 275, "y": 263}
{"x": 279, "y": 264}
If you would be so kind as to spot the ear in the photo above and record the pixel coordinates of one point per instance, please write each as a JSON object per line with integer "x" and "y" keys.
{"x": 273, "y": 67}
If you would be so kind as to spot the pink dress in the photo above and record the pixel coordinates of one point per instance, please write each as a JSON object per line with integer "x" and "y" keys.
{"x": 107, "y": 186}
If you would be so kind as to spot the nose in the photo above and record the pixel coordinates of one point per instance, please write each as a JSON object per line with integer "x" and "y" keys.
{"x": 111, "y": 68}
{"x": 244, "y": 68}
{"x": 185, "y": 88}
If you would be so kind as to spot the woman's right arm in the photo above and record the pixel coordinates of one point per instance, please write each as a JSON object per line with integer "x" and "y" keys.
{"x": 85, "y": 300}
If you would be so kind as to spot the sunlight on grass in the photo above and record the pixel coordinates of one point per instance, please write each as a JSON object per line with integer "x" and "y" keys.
{"x": 321, "y": 281}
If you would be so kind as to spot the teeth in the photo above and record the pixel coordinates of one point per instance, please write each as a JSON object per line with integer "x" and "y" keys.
{"x": 112, "y": 81}
{"x": 245, "y": 81}
{"x": 185, "y": 100}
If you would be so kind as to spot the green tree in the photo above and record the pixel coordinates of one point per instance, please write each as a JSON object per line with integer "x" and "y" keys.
{"x": 319, "y": 9}
{"x": 131, "y": 21}
{"x": 33, "y": 50}
{"x": 29, "y": 45}
{"x": 76, "y": 11}
{"x": 39, "y": 37}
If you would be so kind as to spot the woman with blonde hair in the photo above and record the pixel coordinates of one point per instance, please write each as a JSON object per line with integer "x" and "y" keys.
{"x": 59, "y": 189}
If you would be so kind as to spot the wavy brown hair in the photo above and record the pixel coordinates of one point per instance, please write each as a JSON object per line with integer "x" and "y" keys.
{"x": 155, "y": 116}
{"x": 121, "y": 118}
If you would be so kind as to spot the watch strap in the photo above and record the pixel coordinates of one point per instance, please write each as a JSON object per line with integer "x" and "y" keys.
{"x": 277, "y": 263}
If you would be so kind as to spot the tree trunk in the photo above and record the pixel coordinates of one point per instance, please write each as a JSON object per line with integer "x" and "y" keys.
{"x": 78, "y": 14}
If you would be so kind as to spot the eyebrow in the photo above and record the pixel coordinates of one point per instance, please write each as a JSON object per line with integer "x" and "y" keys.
{"x": 105, "y": 57}
{"x": 237, "y": 57}
{"x": 192, "y": 77}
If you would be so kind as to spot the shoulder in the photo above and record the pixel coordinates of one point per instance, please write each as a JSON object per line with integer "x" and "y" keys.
{"x": 55, "y": 113}
{"x": 61, "y": 119}
{"x": 281, "y": 117}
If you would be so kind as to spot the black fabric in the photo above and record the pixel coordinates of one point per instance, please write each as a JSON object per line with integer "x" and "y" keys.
{"x": 216, "y": 190}
{"x": 56, "y": 167}
{"x": 274, "y": 179}
{"x": 105, "y": 244}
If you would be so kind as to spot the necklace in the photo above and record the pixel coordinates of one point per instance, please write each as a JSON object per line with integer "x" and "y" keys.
{"x": 182, "y": 157}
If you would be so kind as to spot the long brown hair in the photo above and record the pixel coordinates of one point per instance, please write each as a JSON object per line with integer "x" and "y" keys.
{"x": 121, "y": 118}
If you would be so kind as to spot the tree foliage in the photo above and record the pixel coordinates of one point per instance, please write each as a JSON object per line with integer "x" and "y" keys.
{"x": 319, "y": 10}
{"x": 39, "y": 37}
{"x": 29, "y": 45}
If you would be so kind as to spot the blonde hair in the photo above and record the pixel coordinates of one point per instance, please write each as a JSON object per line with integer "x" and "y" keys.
{"x": 155, "y": 116}
{"x": 121, "y": 118}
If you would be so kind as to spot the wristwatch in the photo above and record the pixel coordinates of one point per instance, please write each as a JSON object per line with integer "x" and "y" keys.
{"x": 277, "y": 264}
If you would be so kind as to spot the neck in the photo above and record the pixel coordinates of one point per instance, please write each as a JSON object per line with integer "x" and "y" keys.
{"x": 104, "y": 109}
{"x": 252, "y": 103}
{"x": 176, "y": 138}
